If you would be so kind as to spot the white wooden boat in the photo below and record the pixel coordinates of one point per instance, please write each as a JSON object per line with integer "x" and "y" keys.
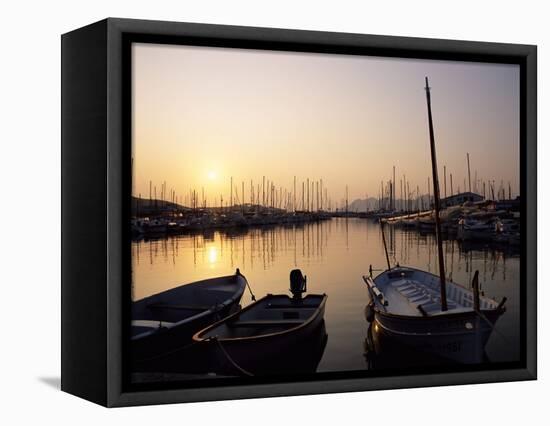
{"x": 168, "y": 320}
{"x": 427, "y": 312}
{"x": 276, "y": 334}
{"x": 405, "y": 304}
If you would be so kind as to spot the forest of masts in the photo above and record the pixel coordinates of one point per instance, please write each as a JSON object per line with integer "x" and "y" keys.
{"x": 313, "y": 196}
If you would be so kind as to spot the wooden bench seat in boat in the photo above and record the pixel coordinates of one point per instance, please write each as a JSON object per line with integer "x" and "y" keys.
{"x": 423, "y": 298}
{"x": 415, "y": 294}
{"x": 404, "y": 287}
{"x": 266, "y": 323}
{"x": 402, "y": 284}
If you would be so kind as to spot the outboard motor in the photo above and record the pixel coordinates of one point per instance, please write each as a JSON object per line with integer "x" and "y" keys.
{"x": 298, "y": 283}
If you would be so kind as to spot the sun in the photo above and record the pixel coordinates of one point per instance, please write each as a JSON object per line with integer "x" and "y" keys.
{"x": 212, "y": 175}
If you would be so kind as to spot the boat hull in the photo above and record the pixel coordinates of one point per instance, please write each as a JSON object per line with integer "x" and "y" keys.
{"x": 404, "y": 308}
{"x": 459, "y": 337}
{"x": 296, "y": 350}
{"x": 276, "y": 355}
{"x": 167, "y": 321}
{"x": 146, "y": 351}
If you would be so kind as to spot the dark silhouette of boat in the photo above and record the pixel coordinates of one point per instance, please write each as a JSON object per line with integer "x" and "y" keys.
{"x": 167, "y": 321}
{"x": 277, "y": 334}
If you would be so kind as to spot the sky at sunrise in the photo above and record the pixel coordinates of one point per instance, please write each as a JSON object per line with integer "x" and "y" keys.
{"x": 202, "y": 115}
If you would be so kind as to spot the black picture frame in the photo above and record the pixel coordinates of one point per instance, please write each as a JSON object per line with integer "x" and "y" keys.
{"x": 95, "y": 204}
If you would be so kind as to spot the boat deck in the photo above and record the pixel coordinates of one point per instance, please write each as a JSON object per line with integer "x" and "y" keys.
{"x": 274, "y": 313}
{"x": 405, "y": 295}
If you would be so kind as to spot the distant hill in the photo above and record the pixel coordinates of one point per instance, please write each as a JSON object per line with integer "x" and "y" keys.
{"x": 362, "y": 205}
{"x": 146, "y": 205}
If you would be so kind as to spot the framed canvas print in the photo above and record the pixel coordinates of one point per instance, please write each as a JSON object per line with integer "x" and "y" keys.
{"x": 253, "y": 212}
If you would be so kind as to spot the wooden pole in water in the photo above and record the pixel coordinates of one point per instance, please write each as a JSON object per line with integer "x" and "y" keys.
{"x": 436, "y": 203}
{"x": 452, "y": 193}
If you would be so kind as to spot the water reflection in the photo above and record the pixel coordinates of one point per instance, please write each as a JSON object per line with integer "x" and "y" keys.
{"x": 334, "y": 255}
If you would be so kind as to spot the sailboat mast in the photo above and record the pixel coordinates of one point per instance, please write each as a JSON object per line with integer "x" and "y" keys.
{"x": 436, "y": 202}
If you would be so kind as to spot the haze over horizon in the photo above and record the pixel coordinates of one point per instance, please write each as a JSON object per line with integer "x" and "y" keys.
{"x": 202, "y": 115}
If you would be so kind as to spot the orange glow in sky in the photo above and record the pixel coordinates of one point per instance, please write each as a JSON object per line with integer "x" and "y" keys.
{"x": 202, "y": 115}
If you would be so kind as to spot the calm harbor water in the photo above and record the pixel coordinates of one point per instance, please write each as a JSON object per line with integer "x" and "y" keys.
{"x": 334, "y": 255}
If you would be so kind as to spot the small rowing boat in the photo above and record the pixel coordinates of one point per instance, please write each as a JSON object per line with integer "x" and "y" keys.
{"x": 276, "y": 334}
{"x": 168, "y": 320}
{"x": 405, "y": 305}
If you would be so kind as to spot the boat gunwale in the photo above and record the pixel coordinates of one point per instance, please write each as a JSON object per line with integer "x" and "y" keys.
{"x": 198, "y": 338}
{"x": 227, "y": 302}
{"x": 434, "y": 318}
{"x": 432, "y": 333}
{"x": 451, "y": 315}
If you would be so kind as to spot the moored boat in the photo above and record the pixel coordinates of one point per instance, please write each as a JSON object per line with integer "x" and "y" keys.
{"x": 276, "y": 334}
{"x": 168, "y": 320}
{"x": 431, "y": 313}
{"x": 473, "y": 229}
{"x": 405, "y": 304}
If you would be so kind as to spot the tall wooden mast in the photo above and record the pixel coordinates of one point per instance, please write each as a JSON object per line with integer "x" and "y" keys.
{"x": 436, "y": 203}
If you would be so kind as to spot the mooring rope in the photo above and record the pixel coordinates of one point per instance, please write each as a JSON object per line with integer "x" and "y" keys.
{"x": 247, "y": 285}
{"x": 231, "y": 360}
